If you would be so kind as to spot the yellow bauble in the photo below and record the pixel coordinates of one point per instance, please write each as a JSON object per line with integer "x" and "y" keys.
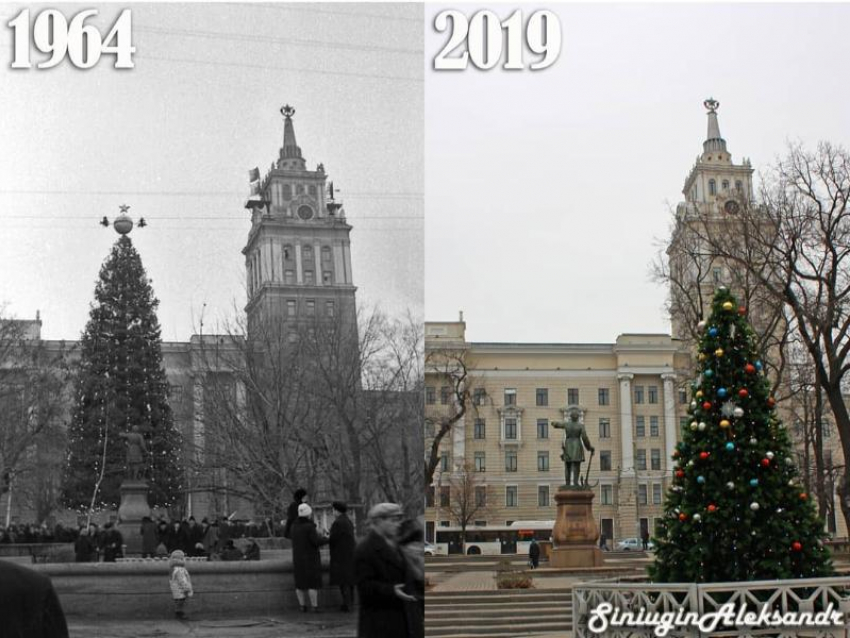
{"x": 724, "y": 423}
{"x": 699, "y": 394}
{"x": 728, "y": 305}
{"x": 702, "y": 356}
{"x": 718, "y": 352}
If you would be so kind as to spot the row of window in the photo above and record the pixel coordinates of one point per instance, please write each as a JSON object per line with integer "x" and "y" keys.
{"x": 712, "y": 186}
{"x": 308, "y": 308}
{"x": 606, "y": 495}
{"x": 479, "y": 428}
{"x": 642, "y": 394}
{"x": 283, "y": 192}
{"x": 512, "y": 462}
{"x": 306, "y": 253}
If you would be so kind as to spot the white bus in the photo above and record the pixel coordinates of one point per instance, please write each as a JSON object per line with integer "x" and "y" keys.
{"x": 492, "y": 540}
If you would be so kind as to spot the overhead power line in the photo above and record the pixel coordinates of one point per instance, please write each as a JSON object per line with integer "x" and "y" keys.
{"x": 290, "y": 7}
{"x": 229, "y": 194}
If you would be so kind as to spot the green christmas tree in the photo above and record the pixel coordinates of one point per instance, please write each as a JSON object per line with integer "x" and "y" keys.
{"x": 736, "y": 509}
{"x": 121, "y": 383}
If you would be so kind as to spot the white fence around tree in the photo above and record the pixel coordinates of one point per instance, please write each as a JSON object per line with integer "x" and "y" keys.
{"x": 784, "y": 596}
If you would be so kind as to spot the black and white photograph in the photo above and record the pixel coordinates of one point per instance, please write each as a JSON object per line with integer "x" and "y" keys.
{"x": 211, "y": 319}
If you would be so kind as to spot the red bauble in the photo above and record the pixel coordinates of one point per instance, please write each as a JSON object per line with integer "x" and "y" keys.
{"x": 706, "y": 405}
{"x": 703, "y": 456}
{"x": 771, "y": 402}
{"x": 797, "y": 546}
{"x": 742, "y": 310}
{"x": 750, "y": 368}
{"x": 803, "y": 496}
{"x": 680, "y": 473}
{"x": 683, "y": 517}
{"x": 675, "y": 454}
{"x": 743, "y": 393}
{"x": 712, "y": 507}
{"x": 765, "y": 462}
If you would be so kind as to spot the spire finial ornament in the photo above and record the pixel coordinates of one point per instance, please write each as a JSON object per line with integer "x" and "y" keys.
{"x": 712, "y": 105}
{"x": 123, "y": 224}
{"x": 287, "y": 111}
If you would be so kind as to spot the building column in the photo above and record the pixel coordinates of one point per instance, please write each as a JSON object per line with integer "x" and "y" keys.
{"x": 346, "y": 250}
{"x": 627, "y": 507}
{"x": 317, "y": 259}
{"x": 339, "y": 269}
{"x": 670, "y": 424}
{"x": 299, "y": 271}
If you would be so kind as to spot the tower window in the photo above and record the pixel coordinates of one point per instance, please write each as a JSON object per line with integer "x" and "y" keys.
{"x": 289, "y": 276}
{"x": 329, "y": 308}
{"x": 287, "y": 252}
{"x": 287, "y": 192}
{"x": 725, "y": 184}
{"x": 311, "y": 307}
{"x": 327, "y": 277}
{"x": 309, "y": 277}
{"x": 312, "y": 190}
{"x": 307, "y": 252}
{"x": 712, "y": 187}
{"x": 326, "y": 253}
{"x": 299, "y": 189}
{"x": 290, "y": 307}
{"x": 739, "y": 186}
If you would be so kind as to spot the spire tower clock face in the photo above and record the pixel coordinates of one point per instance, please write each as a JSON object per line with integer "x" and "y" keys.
{"x": 305, "y": 213}
{"x": 731, "y": 207}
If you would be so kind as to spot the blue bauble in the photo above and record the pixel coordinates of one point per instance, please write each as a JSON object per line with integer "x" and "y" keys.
{"x": 700, "y": 480}
{"x": 730, "y": 447}
{"x": 721, "y": 392}
{"x": 754, "y": 482}
{"x": 712, "y": 332}
{"x": 758, "y": 365}
{"x": 709, "y": 373}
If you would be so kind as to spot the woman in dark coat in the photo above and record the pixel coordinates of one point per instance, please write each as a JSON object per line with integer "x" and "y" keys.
{"x": 306, "y": 560}
{"x": 342, "y": 544}
{"x": 298, "y": 497}
{"x": 382, "y": 577}
{"x": 149, "y": 537}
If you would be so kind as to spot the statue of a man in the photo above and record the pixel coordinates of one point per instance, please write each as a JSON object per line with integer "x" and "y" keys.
{"x": 135, "y": 447}
{"x": 575, "y": 441}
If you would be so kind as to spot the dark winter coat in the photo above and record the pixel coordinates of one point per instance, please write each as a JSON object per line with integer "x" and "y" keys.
{"x": 113, "y": 545}
{"x": 379, "y": 567}
{"x": 149, "y": 537}
{"x": 84, "y": 549}
{"x": 291, "y": 517}
{"x": 306, "y": 560}
{"x": 342, "y": 544}
{"x": 29, "y": 607}
{"x": 534, "y": 554}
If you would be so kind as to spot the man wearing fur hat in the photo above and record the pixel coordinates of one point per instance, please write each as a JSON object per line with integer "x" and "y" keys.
{"x": 382, "y": 577}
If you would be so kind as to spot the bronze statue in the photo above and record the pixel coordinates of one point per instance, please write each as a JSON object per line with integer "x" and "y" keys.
{"x": 575, "y": 441}
{"x": 135, "y": 447}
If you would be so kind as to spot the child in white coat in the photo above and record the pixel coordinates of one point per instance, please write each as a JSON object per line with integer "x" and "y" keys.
{"x": 181, "y": 583}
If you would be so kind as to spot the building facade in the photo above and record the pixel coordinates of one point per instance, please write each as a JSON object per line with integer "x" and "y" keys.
{"x": 633, "y": 403}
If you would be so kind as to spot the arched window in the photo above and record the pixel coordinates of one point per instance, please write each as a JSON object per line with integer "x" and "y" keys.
{"x": 712, "y": 187}
{"x": 725, "y": 184}
{"x": 307, "y": 251}
{"x": 287, "y": 192}
{"x": 739, "y": 186}
{"x": 312, "y": 190}
{"x": 288, "y": 253}
{"x": 326, "y": 254}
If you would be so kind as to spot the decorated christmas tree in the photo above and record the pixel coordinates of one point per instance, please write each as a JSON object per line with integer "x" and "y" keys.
{"x": 121, "y": 383}
{"x": 736, "y": 509}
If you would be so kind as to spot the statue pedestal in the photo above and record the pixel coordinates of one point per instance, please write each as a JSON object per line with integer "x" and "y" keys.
{"x": 134, "y": 506}
{"x": 575, "y": 534}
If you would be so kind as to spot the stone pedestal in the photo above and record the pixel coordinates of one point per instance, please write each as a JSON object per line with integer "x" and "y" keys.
{"x": 134, "y": 506}
{"x": 575, "y": 534}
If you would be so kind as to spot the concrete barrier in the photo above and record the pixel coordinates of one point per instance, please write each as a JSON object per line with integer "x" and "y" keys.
{"x": 140, "y": 589}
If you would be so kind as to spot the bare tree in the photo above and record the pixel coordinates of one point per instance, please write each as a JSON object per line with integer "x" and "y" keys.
{"x": 795, "y": 246}
{"x": 449, "y": 366}
{"x": 469, "y": 498}
{"x": 32, "y": 380}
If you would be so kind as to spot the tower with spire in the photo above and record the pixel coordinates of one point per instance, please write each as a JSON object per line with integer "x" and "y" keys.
{"x": 298, "y": 253}
{"x": 715, "y": 191}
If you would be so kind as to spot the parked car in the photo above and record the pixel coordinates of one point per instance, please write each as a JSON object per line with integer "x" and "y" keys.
{"x": 632, "y": 545}
{"x": 430, "y": 549}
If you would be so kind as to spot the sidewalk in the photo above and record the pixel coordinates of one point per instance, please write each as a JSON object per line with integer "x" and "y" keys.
{"x": 323, "y": 625}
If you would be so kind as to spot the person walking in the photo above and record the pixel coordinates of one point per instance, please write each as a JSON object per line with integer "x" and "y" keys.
{"x": 411, "y": 542}
{"x": 342, "y": 546}
{"x": 382, "y": 577}
{"x": 534, "y": 554}
{"x": 29, "y": 606}
{"x": 180, "y": 582}
{"x": 306, "y": 560}
{"x": 113, "y": 543}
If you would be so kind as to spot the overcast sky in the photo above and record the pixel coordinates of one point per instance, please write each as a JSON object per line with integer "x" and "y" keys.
{"x": 546, "y": 191}
{"x": 175, "y": 137}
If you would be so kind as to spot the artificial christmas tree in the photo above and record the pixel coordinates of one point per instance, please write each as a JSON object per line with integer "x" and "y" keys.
{"x": 121, "y": 383}
{"x": 736, "y": 509}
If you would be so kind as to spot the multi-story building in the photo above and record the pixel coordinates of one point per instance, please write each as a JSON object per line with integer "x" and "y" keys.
{"x": 632, "y": 401}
